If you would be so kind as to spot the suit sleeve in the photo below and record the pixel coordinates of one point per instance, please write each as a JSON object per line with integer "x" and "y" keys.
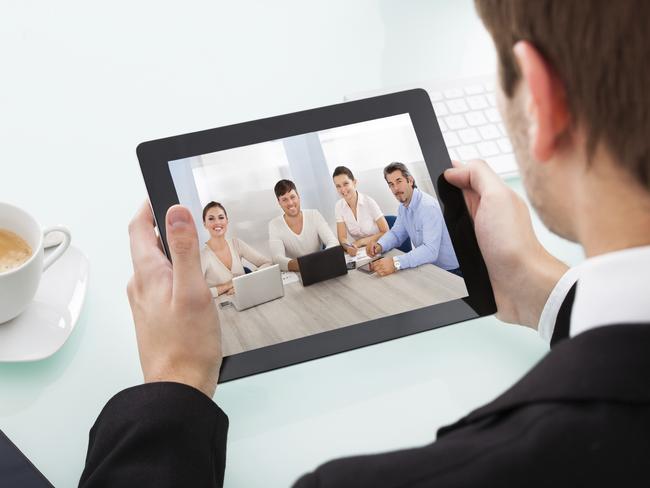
{"x": 157, "y": 434}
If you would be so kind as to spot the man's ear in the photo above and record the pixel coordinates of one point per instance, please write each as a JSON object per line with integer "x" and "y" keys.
{"x": 544, "y": 101}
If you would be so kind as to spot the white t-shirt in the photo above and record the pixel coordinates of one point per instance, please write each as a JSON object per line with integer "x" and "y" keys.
{"x": 367, "y": 214}
{"x": 286, "y": 245}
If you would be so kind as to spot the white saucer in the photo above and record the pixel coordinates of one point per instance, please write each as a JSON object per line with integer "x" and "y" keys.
{"x": 47, "y": 323}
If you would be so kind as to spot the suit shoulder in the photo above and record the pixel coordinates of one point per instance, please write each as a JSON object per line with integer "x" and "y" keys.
{"x": 546, "y": 444}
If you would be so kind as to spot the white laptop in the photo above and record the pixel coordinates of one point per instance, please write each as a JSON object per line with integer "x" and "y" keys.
{"x": 257, "y": 287}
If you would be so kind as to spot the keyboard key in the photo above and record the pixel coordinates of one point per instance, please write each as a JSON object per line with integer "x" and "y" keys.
{"x": 489, "y": 87}
{"x": 489, "y": 132}
{"x": 478, "y": 102}
{"x": 451, "y": 139}
{"x": 491, "y": 99}
{"x": 454, "y": 93}
{"x": 504, "y": 145}
{"x": 487, "y": 149}
{"x": 442, "y": 125}
{"x": 467, "y": 152}
{"x": 475, "y": 118}
{"x": 503, "y": 164}
{"x": 493, "y": 115}
{"x": 469, "y": 136}
{"x": 435, "y": 96}
{"x": 474, "y": 89}
{"x": 456, "y": 122}
{"x": 440, "y": 108}
{"x": 502, "y": 129}
{"x": 453, "y": 154}
{"x": 457, "y": 106}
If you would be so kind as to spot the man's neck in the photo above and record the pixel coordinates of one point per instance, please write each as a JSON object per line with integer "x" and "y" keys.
{"x": 410, "y": 199}
{"x": 293, "y": 220}
{"x": 613, "y": 211}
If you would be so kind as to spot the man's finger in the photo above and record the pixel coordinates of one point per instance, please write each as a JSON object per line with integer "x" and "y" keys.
{"x": 145, "y": 247}
{"x": 184, "y": 249}
{"x": 475, "y": 175}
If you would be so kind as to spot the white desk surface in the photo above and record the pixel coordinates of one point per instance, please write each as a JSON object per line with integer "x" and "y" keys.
{"x": 83, "y": 83}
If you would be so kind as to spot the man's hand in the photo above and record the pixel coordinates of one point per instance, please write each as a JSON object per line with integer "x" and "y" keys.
{"x": 383, "y": 266}
{"x": 373, "y": 249}
{"x": 176, "y": 321}
{"x": 293, "y": 266}
{"x": 521, "y": 271}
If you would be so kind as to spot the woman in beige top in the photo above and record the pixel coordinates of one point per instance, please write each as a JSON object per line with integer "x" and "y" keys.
{"x": 221, "y": 257}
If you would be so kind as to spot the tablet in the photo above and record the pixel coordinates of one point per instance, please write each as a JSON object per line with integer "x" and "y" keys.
{"x": 265, "y": 173}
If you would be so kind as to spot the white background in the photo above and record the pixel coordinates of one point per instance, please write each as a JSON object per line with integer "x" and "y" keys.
{"x": 82, "y": 83}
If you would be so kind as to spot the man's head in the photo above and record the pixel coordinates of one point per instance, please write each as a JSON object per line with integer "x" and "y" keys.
{"x": 574, "y": 76}
{"x": 288, "y": 198}
{"x": 400, "y": 181}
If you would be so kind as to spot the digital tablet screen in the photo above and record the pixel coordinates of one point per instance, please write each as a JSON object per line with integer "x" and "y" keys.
{"x": 252, "y": 219}
{"x": 320, "y": 185}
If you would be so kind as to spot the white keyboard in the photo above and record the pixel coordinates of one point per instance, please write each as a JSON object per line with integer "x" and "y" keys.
{"x": 469, "y": 120}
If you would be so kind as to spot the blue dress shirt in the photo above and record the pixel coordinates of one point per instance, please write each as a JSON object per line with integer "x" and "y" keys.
{"x": 423, "y": 223}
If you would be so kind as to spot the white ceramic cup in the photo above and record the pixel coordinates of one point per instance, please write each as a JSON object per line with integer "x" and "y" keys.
{"x": 18, "y": 285}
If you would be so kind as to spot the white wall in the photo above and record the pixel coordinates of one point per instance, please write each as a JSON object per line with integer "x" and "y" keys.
{"x": 242, "y": 179}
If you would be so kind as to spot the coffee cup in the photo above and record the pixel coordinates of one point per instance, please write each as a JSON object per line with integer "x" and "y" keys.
{"x": 20, "y": 276}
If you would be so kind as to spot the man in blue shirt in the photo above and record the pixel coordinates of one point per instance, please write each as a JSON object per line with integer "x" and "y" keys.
{"x": 418, "y": 218}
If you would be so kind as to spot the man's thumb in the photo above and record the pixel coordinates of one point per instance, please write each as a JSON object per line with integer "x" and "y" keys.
{"x": 184, "y": 247}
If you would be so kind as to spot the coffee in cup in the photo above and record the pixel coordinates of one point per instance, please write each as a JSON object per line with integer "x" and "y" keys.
{"x": 22, "y": 258}
{"x": 14, "y": 250}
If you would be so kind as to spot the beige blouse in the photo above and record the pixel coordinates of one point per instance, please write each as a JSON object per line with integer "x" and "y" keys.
{"x": 216, "y": 273}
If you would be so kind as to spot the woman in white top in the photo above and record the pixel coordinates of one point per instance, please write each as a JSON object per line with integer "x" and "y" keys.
{"x": 221, "y": 257}
{"x": 356, "y": 214}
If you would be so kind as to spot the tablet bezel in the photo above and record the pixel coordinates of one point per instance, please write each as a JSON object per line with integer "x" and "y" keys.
{"x": 154, "y": 157}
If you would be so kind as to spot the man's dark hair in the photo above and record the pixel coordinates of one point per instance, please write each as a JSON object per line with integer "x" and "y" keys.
{"x": 343, "y": 170}
{"x": 212, "y": 205}
{"x": 599, "y": 49}
{"x": 284, "y": 186}
{"x": 396, "y": 166}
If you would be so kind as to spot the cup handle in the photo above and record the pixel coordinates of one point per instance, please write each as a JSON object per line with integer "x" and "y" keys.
{"x": 61, "y": 248}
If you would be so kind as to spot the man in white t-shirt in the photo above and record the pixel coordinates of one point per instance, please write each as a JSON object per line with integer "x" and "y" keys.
{"x": 297, "y": 232}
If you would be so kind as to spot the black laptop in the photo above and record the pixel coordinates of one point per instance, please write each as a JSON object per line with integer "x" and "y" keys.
{"x": 322, "y": 265}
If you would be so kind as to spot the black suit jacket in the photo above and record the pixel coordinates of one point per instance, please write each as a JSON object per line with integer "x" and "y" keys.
{"x": 580, "y": 417}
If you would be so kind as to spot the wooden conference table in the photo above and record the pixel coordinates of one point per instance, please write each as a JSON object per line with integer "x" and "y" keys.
{"x": 349, "y": 299}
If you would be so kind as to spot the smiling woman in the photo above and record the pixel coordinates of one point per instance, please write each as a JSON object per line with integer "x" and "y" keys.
{"x": 357, "y": 215}
{"x": 221, "y": 258}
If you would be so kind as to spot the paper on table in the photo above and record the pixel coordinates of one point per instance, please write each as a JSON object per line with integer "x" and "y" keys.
{"x": 289, "y": 277}
{"x": 361, "y": 255}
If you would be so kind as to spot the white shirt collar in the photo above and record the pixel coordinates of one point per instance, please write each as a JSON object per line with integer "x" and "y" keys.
{"x": 613, "y": 288}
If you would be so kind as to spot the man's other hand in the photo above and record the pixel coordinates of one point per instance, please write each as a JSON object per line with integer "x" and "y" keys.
{"x": 373, "y": 249}
{"x": 521, "y": 271}
{"x": 176, "y": 321}
{"x": 383, "y": 266}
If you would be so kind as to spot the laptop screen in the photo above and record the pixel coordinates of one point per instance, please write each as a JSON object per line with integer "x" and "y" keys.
{"x": 364, "y": 186}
